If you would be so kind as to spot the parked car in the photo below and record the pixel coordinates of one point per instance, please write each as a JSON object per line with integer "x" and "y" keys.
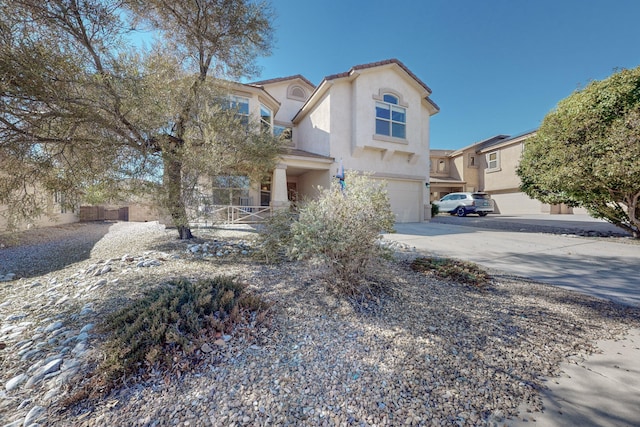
{"x": 462, "y": 204}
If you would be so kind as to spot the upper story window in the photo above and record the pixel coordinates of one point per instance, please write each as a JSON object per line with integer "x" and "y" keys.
{"x": 391, "y": 118}
{"x": 241, "y": 105}
{"x": 493, "y": 161}
{"x": 282, "y": 131}
{"x": 265, "y": 117}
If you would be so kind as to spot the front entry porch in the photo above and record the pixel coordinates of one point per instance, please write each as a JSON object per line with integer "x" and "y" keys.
{"x": 296, "y": 176}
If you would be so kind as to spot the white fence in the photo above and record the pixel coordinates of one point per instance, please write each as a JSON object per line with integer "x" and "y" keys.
{"x": 229, "y": 214}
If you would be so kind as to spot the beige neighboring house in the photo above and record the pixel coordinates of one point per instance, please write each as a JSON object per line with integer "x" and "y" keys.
{"x": 373, "y": 118}
{"x": 54, "y": 213}
{"x": 490, "y": 166}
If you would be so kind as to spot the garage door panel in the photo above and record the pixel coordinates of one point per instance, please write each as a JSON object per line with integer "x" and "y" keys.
{"x": 406, "y": 199}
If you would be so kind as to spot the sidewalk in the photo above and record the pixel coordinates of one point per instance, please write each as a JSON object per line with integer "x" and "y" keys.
{"x": 601, "y": 391}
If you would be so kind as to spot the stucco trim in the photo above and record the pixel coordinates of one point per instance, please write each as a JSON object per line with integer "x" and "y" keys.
{"x": 421, "y": 178}
{"x": 383, "y": 91}
{"x": 389, "y": 139}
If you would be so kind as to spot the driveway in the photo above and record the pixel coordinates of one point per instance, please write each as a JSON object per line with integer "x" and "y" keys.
{"x": 602, "y": 390}
{"x": 537, "y": 247}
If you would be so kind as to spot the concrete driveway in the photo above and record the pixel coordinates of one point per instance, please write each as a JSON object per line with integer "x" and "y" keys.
{"x": 603, "y": 267}
{"x": 602, "y": 390}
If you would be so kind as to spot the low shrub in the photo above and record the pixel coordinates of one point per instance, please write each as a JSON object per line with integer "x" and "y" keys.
{"x": 275, "y": 238}
{"x": 458, "y": 271}
{"x": 341, "y": 229}
{"x": 151, "y": 331}
{"x": 435, "y": 210}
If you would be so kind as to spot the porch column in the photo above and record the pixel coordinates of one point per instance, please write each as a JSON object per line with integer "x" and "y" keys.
{"x": 279, "y": 196}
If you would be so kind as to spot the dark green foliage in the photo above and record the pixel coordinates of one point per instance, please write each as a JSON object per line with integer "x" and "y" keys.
{"x": 587, "y": 152}
{"x": 172, "y": 318}
{"x": 435, "y": 210}
{"x": 454, "y": 270}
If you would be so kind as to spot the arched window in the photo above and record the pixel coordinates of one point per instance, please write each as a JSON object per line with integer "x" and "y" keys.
{"x": 391, "y": 118}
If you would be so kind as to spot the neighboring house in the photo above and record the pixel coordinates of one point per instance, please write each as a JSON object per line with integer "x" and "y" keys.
{"x": 490, "y": 166}
{"x": 54, "y": 212}
{"x": 373, "y": 118}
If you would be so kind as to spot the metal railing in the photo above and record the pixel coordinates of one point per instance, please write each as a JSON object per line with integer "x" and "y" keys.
{"x": 231, "y": 214}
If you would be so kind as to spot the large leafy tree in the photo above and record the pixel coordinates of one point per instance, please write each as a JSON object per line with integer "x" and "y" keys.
{"x": 85, "y": 109}
{"x": 587, "y": 152}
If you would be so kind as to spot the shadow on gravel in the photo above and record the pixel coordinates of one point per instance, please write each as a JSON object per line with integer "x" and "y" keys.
{"x": 37, "y": 252}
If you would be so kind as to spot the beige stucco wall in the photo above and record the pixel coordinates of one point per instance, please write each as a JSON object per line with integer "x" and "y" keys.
{"x": 289, "y": 107}
{"x": 309, "y": 182}
{"x": 313, "y": 133}
{"x": 141, "y": 212}
{"x": 42, "y": 221}
{"x": 341, "y": 125}
{"x": 505, "y": 177}
{"x": 52, "y": 216}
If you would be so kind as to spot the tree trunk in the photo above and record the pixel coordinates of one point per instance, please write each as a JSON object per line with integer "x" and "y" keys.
{"x": 173, "y": 185}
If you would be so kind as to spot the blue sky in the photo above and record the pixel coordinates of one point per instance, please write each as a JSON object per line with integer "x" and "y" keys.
{"x": 495, "y": 66}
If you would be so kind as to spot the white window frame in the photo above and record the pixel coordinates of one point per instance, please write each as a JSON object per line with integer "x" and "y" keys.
{"x": 443, "y": 163}
{"x": 387, "y": 103}
{"x": 234, "y": 103}
{"x": 267, "y": 125}
{"x": 493, "y": 161}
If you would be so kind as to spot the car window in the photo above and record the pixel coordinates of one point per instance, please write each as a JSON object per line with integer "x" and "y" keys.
{"x": 447, "y": 197}
{"x": 480, "y": 196}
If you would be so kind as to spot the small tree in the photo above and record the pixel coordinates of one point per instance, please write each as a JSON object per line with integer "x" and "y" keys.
{"x": 587, "y": 152}
{"x": 86, "y": 110}
{"x": 341, "y": 229}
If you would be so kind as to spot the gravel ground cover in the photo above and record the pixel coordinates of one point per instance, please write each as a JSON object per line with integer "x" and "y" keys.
{"x": 429, "y": 352}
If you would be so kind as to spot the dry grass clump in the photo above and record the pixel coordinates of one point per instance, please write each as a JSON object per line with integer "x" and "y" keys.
{"x": 454, "y": 270}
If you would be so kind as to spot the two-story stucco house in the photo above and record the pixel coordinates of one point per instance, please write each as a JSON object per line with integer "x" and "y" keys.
{"x": 373, "y": 118}
{"x": 490, "y": 166}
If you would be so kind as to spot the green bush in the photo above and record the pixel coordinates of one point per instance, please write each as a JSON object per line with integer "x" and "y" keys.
{"x": 341, "y": 229}
{"x": 172, "y": 318}
{"x": 458, "y": 271}
{"x": 435, "y": 210}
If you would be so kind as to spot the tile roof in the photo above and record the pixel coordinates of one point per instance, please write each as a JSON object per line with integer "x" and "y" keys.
{"x": 302, "y": 153}
{"x": 378, "y": 64}
{"x": 282, "y": 79}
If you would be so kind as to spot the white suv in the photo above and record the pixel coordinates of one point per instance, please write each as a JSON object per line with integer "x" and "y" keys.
{"x": 462, "y": 204}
